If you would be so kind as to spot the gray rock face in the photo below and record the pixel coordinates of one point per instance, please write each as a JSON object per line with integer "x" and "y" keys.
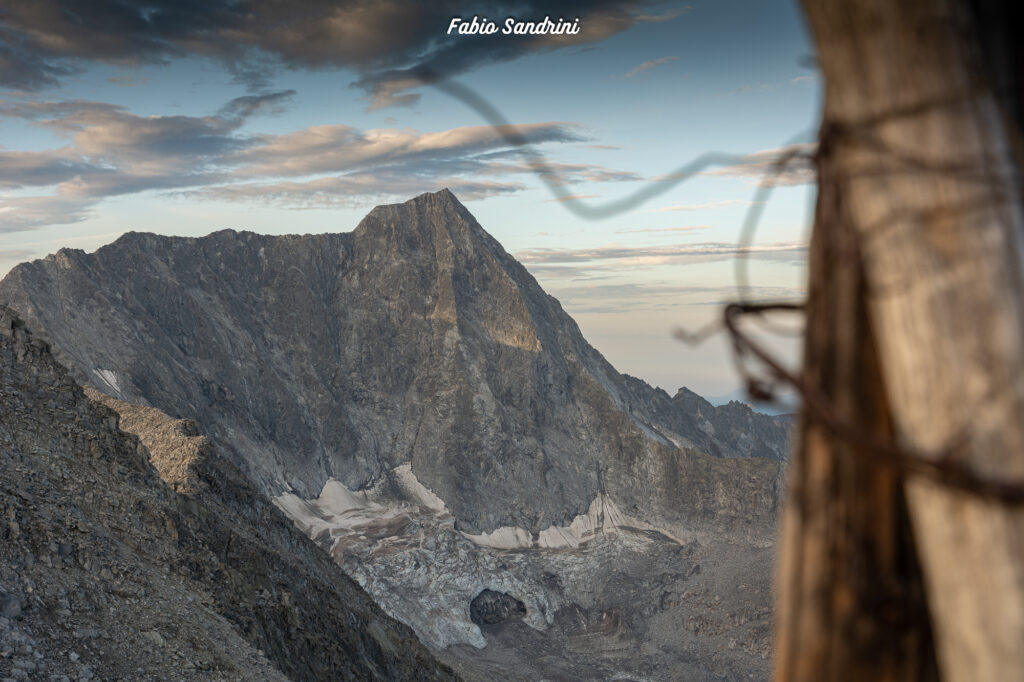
{"x": 415, "y": 338}
{"x": 106, "y": 571}
{"x": 730, "y": 430}
{"x": 10, "y": 605}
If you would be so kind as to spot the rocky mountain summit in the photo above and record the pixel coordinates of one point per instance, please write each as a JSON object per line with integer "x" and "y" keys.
{"x": 107, "y": 573}
{"x": 414, "y": 402}
{"x": 415, "y": 338}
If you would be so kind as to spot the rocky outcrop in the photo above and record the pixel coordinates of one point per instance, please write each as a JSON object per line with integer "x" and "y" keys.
{"x": 733, "y": 429}
{"x": 414, "y": 339}
{"x": 177, "y": 450}
{"x": 106, "y": 572}
{"x": 491, "y": 608}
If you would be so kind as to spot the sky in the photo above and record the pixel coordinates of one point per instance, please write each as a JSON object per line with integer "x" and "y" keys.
{"x": 186, "y": 117}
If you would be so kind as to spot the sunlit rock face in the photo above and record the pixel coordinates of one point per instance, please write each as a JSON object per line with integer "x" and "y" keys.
{"x": 414, "y": 351}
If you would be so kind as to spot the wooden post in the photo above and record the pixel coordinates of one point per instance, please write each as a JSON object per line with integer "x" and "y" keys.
{"x": 850, "y": 598}
{"x": 917, "y": 308}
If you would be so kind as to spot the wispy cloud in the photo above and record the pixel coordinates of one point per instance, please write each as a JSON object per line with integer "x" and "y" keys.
{"x": 775, "y": 85}
{"x": 353, "y": 189}
{"x": 571, "y": 197}
{"x": 127, "y": 80}
{"x": 40, "y": 169}
{"x": 658, "y": 255}
{"x": 667, "y": 15}
{"x": 15, "y": 254}
{"x": 112, "y": 151}
{"x": 645, "y": 66}
{"x": 27, "y": 213}
{"x": 685, "y": 228}
{"x": 116, "y": 152}
{"x": 335, "y": 148}
{"x": 706, "y": 206}
{"x": 571, "y": 272}
{"x": 763, "y": 167}
{"x": 565, "y": 173}
{"x": 627, "y": 297}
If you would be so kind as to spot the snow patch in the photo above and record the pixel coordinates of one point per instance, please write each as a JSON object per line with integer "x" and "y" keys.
{"x": 109, "y": 378}
{"x": 398, "y": 540}
{"x": 603, "y": 516}
{"x": 416, "y": 491}
{"x": 337, "y": 509}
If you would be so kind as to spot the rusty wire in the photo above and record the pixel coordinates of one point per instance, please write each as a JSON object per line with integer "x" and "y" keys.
{"x": 942, "y": 467}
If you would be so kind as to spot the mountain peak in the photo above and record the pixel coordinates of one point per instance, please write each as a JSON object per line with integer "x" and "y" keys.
{"x": 441, "y": 195}
{"x": 429, "y": 205}
{"x": 415, "y": 338}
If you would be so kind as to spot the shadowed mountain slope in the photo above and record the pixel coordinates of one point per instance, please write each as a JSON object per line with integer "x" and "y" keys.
{"x": 107, "y": 571}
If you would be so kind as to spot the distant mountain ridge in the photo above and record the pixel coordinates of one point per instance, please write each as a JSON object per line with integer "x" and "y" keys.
{"x": 415, "y": 338}
{"x": 786, "y": 404}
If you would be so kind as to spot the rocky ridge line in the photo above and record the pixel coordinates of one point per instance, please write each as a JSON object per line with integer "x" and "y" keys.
{"x": 413, "y": 339}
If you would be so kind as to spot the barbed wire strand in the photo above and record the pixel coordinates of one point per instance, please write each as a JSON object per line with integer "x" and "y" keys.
{"x": 941, "y": 466}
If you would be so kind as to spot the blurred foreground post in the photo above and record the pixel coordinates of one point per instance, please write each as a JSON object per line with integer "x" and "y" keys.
{"x": 915, "y": 333}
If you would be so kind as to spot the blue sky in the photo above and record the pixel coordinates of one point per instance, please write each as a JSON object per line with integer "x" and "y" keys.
{"x": 175, "y": 127}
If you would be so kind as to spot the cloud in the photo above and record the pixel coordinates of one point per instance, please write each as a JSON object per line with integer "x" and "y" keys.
{"x": 332, "y": 148}
{"x": 348, "y": 190}
{"x": 666, "y": 16}
{"x": 268, "y": 103}
{"x": 42, "y": 110}
{"x": 571, "y": 272}
{"x": 39, "y": 169}
{"x": 89, "y": 239}
{"x": 584, "y": 172}
{"x": 797, "y": 169}
{"x": 643, "y": 256}
{"x": 23, "y": 66}
{"x": 571, "y": 197}
{"x": 706, "y": 206}
{"x": 626, "y": 297}
{"x": 395, "y": 45}
{"x": 112, "y": 136}
{"x": 15, "y": 254}
{"x": 112, "y": 151}
{"x": 776, "y": 85}
{"x": 686, "y": 228}
{"x": 457, "y": 54}
{"x": 127, "y": 80}
{"x": 650, "y": 65}
{"x": 26, "y": 213}
{"x": 566, "y": 173}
